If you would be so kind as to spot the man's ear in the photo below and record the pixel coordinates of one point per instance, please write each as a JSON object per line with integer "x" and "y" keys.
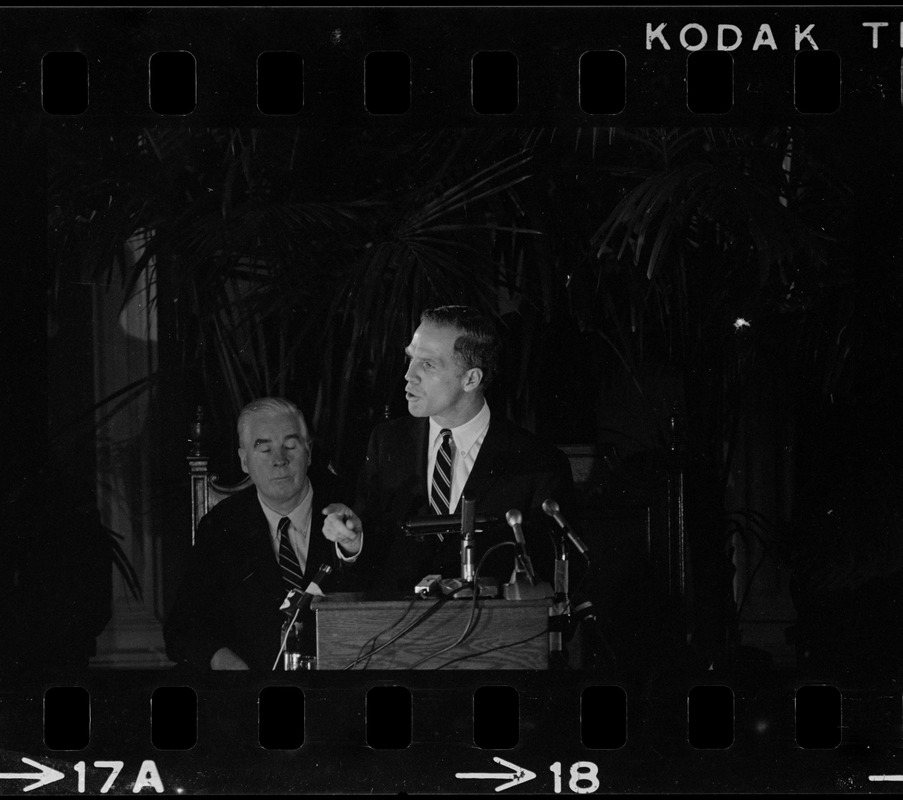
{"x": 243, "y": 457}
{"x": 473, "y": 379}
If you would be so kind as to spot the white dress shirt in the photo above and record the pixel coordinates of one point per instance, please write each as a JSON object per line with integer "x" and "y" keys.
{"x": 298, "y": 530}
{"x": 467, "y": 439}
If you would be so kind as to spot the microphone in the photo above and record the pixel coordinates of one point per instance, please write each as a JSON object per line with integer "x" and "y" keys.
{"x": 551, "y": 508}
{"x": 514, "y": 519}
{"x": 297, "y": 603}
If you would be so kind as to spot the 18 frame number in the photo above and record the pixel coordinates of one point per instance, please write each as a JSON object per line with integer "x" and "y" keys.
{"x": 583, "y": 778}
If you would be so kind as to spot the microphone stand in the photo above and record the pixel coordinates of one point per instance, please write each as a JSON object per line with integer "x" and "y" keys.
{"x": 564, "y": 619}
{"x": 523, "y": 584}
{"x": 559, "y": 619}
{"x": 484, "y": 587}
{"x": 294, "y": 608}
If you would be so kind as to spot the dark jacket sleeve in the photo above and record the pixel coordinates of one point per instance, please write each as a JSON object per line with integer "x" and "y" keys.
{"x": 346, "y": 575}
{"x": 369, "y": 503}
{"x": 388, "y": 492}
{"x": 196, "y": 627}
{"x": 555, "y": 482}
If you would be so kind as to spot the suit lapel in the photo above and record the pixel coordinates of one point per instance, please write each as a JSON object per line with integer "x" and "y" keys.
{"x": 257, "y": 529}
{"x": 418, "y": 446}
{"x": 485, "y": 468}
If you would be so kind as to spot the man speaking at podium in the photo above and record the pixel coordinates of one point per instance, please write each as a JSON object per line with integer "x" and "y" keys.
{"x": 451, "y": 445}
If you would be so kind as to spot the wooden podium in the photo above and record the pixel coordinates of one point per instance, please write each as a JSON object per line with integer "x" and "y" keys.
{"x": 507, "y": 634}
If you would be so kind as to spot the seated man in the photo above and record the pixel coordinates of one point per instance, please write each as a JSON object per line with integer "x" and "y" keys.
{"x": 449, "y": 446}
{"x": 255, "y": 546}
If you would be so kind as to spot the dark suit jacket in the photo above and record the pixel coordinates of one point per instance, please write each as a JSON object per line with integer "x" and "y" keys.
{"x": 514, "y": 469}
{"x": 232, "y": 589}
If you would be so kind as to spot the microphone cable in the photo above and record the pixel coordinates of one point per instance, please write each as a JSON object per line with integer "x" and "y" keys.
{"x": 422, "y": 618}
{"x": 473, "y": 608}
{"x": 375, "y": 638}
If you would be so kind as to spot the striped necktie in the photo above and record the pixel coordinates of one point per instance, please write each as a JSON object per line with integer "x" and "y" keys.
{"x": 440, "y": 489}
{"x": 292, "y": 575}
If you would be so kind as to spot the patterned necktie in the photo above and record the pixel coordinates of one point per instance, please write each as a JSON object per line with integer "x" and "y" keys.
{"x": 292, "y": 576}
{"x": 440, "y": 489}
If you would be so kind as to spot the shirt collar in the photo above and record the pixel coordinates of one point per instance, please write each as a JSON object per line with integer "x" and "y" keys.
{"x": 464, "y": 435}
{"x": 298, "y": 515}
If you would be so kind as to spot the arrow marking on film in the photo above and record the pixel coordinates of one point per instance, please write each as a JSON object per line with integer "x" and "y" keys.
{"x": 519, "y": 774}
{"x": 42, "y": 778}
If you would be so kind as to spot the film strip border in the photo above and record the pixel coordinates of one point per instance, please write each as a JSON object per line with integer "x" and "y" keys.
{"x": 548, "y": 731}
{"x": 387, "y": 83}
{"x": 711, "y": 717}
{"x": 490, "y": 66}
{"x": 466, "y": 733}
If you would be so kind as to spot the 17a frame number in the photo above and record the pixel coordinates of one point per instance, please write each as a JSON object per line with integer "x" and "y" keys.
{"x": 148, "y": 776}
{"x": 583, "y": 777}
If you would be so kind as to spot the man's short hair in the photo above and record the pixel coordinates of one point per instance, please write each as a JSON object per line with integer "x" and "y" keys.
{"x": 478, "y": 345}
{"x": 270, "y": 405}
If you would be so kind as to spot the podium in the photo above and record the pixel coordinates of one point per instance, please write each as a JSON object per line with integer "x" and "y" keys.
{"x": 506, "y": 634}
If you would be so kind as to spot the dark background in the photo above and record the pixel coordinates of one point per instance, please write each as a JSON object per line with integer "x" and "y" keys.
{"x": 817, "y": 375}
